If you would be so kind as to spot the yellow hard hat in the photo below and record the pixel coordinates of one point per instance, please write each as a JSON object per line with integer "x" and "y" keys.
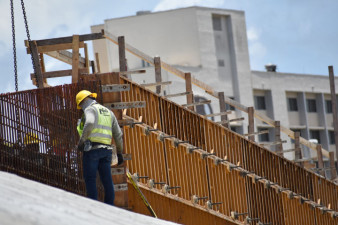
{"x": 82, "y": 95}
{"x": 31, "y": 138}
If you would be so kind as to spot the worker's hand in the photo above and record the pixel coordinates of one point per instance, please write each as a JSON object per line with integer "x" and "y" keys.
{"x": 80, "y": 147}
{"x": 119, "y": 158}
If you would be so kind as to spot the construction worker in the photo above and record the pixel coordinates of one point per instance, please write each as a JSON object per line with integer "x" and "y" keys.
{"x": 99, "y": 125}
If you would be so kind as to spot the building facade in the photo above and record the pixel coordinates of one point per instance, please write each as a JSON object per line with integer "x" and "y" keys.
{"x": 212, "y": 44}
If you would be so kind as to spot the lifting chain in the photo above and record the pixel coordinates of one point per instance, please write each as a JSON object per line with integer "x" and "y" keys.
{"x": 14, "y": 44}
{"x": 14, "y": 48}
{"x": 15, "y": 72}
{"x": 29, "y": 41}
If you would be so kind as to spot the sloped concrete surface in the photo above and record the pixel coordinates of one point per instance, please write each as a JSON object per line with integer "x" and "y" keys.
{"x": 23, "y": 201}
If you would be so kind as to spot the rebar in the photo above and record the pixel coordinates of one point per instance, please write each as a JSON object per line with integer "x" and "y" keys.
{"x": 38, "y": 136}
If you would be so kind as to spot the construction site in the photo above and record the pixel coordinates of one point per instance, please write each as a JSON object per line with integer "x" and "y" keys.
{"x": 190, "y": 168}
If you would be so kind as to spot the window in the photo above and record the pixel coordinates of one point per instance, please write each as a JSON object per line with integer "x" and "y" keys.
{"x": 311, "y": 105}
{"x": 331, "y": 137}
{"x": 216, "y": 23}
{"x": 292, "y": 104}
{"x": 263, "y": 137}
{"x": 145, "y": 64}
{"x": 328, "y": 106}
{"x": 260, "y": 103}
{"x": 315, "y": 134}
{"x": 230, "y": 107}
{"x": 234, "y": 129}
{"x": 221, "y": 63}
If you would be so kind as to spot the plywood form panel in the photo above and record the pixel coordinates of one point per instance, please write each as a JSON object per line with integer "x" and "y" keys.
{"x": 147, "y": 154}
{"x": 187, "y": 171}
{"x": 228, "y": 188}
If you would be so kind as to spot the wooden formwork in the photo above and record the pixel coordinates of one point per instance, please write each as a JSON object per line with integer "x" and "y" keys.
{"x": 203, "y": 177}
{"x": 172, "y": 208}
{"x": 198, "y": 131}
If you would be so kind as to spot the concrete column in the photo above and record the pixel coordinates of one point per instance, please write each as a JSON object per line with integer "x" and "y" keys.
{"x": 304, "y": 121}
{"x": 324, "y": 135}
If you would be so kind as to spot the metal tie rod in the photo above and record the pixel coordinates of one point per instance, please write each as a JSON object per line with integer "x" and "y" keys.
{"x": 245, "y": 173}
{"x": 235, "y": 215}
{"x": 156, "y": 84}
{"x": 279, "y": 190}
{"x": 197, "y": 103}
{"x": 147, "y": 130}
{"x": 257, "y": 178}
{"x": 136, "y": 177}
{"x": 177, "y": 142}
{"x": 268, "y": 184}
{"x": 195, "y": 199}
{"x": 162, "y": 136}
{"x": 151, "y": 183}
{"x": 315, "y": 205}
{"x": 249, "y": 220}
{"x": 166, "y": 188}
{"x": 204, "y": 155}
{"x": 209, "y": 204}
{"x": 191, "y": 149}
{"x": 133, "y": 123}
{"x": 217, "y": 161}
{"x": 128, "y": 122}
{"x": 302, "y": 200}
{"x": 177, "y": 95}
{"x": 292, "y": 194}
{"x": 230, "y": 167}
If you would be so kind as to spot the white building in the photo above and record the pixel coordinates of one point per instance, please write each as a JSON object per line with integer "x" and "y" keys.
{"x": 212, "y": 44}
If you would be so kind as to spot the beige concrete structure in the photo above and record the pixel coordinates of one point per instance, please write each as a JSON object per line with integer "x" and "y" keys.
{"x": 212, "y": 44}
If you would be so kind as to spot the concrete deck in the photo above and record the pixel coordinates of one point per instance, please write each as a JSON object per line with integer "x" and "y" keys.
{"x": 23, "y": 201}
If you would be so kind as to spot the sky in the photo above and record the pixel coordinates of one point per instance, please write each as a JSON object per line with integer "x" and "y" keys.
{"x": 298, "y": 36}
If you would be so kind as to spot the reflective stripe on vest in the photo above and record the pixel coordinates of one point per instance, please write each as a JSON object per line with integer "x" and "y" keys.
{"x": 102, "y": 131}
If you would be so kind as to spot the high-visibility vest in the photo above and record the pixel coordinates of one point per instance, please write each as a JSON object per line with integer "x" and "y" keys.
{"x": 79, "y": 127}
{"x": 102, "y": 130}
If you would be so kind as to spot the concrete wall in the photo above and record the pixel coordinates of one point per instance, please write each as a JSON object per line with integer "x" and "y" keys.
{"x": 100, "y": 46}
{"x": 170, "y": 34}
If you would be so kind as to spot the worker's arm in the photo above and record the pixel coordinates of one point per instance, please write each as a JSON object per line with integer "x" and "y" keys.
{"x": 117, "y": 134}
{"x": 88, "y": 126}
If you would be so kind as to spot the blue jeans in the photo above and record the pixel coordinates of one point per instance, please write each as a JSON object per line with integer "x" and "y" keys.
{"x": 98, "y": 160}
